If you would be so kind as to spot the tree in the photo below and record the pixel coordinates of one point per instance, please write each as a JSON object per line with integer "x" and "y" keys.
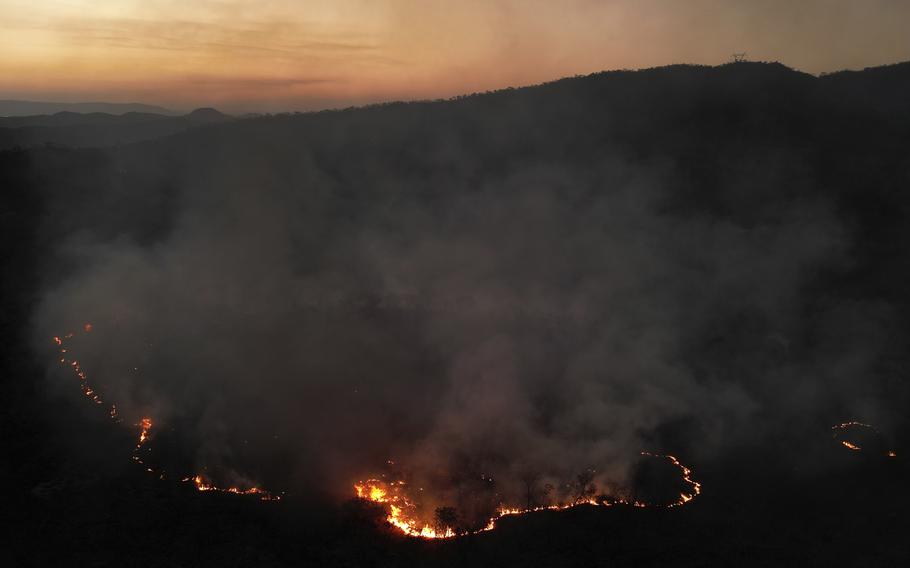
{"x": 529, "y": 480}
{"x": 535, "y": 495}
{"x": 583, "y": 487}
{"x": 545, "y": 493}
{"x": 446, "y": 517}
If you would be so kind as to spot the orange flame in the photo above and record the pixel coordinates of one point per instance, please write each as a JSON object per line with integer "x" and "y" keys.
{"x": 145, "y": 425}
{"x": 403, "y": 512}
{"x": 203, "y": 485}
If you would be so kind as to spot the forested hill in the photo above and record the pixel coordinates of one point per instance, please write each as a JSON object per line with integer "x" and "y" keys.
{"x": 97, "y": 129}
{"x": 738, "y": 140}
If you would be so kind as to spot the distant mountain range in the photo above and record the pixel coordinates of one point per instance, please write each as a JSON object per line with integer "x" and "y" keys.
{"x": 25, "y": 108}
{"x": 97, "y": 129}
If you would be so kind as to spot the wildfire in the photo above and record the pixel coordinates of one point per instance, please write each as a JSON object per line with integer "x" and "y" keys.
{"x": 144, "y": 425}
{"x": 401, "y": 509}
{"x": 78, "y": 371}
{"x": 403, "y": 512}
{"x": 202, "y": 485}
{"x": 843, "y": 429}
{"x": 686, "y": 477}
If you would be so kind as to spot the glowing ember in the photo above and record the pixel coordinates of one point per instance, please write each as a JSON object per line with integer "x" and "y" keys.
{"x": 403, "y": 512}
{"x": 848, "y": 429}
{"x": 686, "y": 477}
{"x": 77, "y": 370}
{"x": 144, "y": 425}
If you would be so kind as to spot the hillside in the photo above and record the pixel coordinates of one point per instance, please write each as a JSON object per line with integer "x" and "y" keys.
{"x": 705, "y": 261}
{"x": 97, "y": 129}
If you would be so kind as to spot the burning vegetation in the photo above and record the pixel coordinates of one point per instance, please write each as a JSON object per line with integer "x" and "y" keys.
{"x": 414, "y": 512}
{"x": 408, "y": 514}
{"x": 858, "y": 437}
{"x": 144, "y": 425}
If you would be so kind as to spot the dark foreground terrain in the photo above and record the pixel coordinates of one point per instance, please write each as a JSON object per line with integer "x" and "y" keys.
{"x": 854, "y": 517}
{"x": 742, "y": 146}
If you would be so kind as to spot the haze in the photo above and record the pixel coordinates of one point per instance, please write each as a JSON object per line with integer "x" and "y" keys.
{"x": 242, "y": 55}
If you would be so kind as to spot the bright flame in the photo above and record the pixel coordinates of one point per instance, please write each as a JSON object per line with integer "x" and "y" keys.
{"x": 400, "y": 508}
{"x": 403, "y": 512}
{"x": 145, "y": 425}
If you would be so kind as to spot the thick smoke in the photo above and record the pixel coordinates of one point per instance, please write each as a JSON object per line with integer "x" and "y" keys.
{"x": 462, "y": 293}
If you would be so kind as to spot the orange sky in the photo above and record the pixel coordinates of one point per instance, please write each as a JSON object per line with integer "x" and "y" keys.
{"x": 301, "y": 54}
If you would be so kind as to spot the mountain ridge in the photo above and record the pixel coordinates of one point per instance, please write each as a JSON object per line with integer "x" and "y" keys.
{"x": 20, "y": 107}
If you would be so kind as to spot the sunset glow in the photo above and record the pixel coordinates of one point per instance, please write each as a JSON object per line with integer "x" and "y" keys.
{"x": 297, "y": 55}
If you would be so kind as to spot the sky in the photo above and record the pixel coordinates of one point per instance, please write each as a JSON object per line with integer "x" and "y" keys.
{"x": 272, "y": 55}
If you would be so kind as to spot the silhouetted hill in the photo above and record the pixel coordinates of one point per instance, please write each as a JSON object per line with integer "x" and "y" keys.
{"x": 878, "y": 89}
{"x": 207, "y": 115}
{"x": 97, "y": 128}
{"x": 67, "y": 118}
{"x": 26, "y": 108}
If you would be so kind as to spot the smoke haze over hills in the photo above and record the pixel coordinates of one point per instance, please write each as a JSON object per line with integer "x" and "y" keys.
{"x": 541, "y": 280}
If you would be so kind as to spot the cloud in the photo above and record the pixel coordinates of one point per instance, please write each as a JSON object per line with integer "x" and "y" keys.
{"x": 395, "y": 49}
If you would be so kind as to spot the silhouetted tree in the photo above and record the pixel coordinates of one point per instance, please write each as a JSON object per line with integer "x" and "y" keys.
{"x": 545, "y": 493}
{"x": 583, "y": 487}
{"x": 529, "y": 480}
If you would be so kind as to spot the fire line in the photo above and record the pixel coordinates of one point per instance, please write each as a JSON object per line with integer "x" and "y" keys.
{"x": 839, "y": 431}
{"x": 393, "y": 494}
{"x": 144, "y": 425}
{"x": 401, "y": 508}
